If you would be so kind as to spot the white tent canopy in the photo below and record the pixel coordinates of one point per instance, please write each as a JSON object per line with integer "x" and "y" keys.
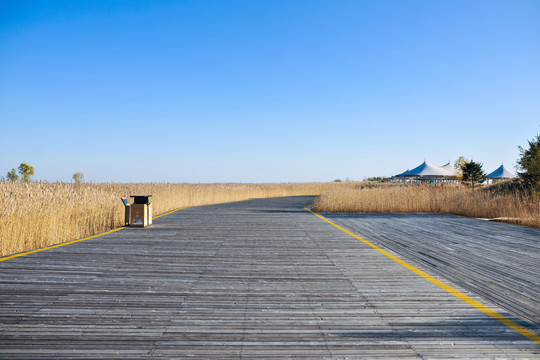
{"x": 450, "y": 168}
{"x": 428, "y": 170}
{"x": 501, "y": 173}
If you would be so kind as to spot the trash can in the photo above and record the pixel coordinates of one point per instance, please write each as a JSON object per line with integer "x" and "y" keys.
{"x": 141, "y": 211}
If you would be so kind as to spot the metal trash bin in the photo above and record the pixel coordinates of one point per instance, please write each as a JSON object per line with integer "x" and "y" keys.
{"x": 140, "y": 212}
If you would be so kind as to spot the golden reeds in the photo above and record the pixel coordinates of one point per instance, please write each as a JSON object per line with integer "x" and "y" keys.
{"x": 510, "y": 206}
{"x": 34, "y": 215}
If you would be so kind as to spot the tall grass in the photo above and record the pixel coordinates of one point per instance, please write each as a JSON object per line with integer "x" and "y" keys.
{"x": 34, "y": 215}
{"x": 506, "y": 201}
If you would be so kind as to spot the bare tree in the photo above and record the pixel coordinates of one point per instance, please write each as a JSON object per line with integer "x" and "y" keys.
{"x": 78, "y": 177}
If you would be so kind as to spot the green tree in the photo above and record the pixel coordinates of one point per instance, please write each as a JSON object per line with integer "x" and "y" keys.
{"x": 26, "y": 172}
{"x": 12, "y": 175}
{"x": 529, "y": 162}
{"x": 459, "y": 164}
{"x": 377, "y": 179}
{"x": 78, "y": 177}
{"x": 472, "y": 171}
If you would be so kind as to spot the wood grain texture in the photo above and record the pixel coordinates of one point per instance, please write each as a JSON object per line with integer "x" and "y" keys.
{"x": 500, "y": 262}
{"x": 255, "y": 279}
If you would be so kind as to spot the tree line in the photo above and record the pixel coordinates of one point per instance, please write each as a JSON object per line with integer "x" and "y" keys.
{"x": 469, "y": 171}
{"x": 25, "y": 173}
{"x": 528, "y": 166}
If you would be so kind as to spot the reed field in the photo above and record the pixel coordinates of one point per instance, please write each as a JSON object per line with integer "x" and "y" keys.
{"x": 504, "y": 201}
{"x": 34, "y": 215}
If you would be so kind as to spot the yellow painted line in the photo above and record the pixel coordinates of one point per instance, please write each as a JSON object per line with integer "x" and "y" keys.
{"x": 95, "y": 236}
{"x": 58, "y": 245}
{"x": 503, "y": 319}
{"x": 74, "y": 241}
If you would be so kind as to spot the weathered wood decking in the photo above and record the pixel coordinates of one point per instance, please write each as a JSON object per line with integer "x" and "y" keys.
{"x": 255, "y": 279}
{"x": 497, "y": 261}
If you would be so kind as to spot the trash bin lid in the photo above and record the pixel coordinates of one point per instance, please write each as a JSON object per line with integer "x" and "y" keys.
{"x": 141, "y": 199}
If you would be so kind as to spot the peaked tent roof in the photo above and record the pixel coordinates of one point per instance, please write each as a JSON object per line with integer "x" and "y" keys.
{"x": 426, "y": 169}
{"x": 501, "y": 173}
{"x": 450, "y": 168}
{"x": 405, "y": 173}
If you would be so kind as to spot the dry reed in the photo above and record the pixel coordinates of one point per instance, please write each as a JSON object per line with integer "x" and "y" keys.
{"x": 508, "y": 205}
{"x": 34, "y": 215}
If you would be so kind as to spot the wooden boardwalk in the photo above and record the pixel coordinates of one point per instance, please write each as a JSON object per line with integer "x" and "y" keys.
{"x": 500, "y": 262}
{"x": 256, "y": 279}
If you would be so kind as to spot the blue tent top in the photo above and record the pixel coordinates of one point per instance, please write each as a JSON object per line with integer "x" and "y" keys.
{"x": 501, "y": 173}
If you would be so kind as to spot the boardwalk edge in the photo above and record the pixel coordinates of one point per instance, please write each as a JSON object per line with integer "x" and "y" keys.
{"x": 485, "y": 309}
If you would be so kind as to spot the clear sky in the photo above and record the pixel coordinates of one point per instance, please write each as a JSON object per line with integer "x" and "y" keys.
{"x": 264, "y": 91}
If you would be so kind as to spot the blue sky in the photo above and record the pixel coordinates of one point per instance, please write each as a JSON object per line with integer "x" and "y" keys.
{"x": 264, "y": 91}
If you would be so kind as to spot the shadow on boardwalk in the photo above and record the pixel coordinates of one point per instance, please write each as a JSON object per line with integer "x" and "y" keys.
{"x": 255, "y": 279}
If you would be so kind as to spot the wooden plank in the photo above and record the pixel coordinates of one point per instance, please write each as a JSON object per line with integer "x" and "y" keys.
{"x": 500, "y": 262}
{"x": 256, "y": 279}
